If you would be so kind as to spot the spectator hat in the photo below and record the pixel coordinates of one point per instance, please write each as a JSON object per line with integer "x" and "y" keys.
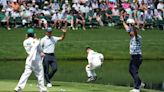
{"x": 52, "y": 11}
{"x": 30, "y": 30}
{"x": 149, "y": 7}
{"x": 111, "y": 0}
{"x": 66, "y": 1}
{"x": 3, "y": 10}
{"x": 46, "y": 2}
{"x": 76, "y": 1}
{"x": 49, "y": 29}
{"x": 130, "y": 21}
{"x": 142, "y": 13}
{"x": 115, "y": 6}
{"x": 9, "y": 9}
{"x": 36, "y": 6}
{"x": 14, "y": 0}
{"x": 45, "y": 7}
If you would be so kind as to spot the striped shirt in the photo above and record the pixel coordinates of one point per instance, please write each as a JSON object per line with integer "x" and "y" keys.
{"x": 135, "y": 45}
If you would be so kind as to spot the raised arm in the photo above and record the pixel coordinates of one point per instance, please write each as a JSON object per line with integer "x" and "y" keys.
{"x": 124, "y": 24}
{"x": 63, "y": 35}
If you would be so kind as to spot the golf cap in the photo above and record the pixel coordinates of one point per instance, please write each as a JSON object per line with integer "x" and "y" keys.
{"x": 30, "y": 30}
{"x": 2, "y": 10}
{"x": 49, "y": 29}
{"x": 66, "y": 1}
{"x": 14, "y": 0}
{"x": 130, "y": 21}
{"x": 46, "y": 2}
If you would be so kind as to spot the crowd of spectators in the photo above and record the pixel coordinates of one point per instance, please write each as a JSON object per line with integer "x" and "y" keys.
{"x": 75, "y": 13}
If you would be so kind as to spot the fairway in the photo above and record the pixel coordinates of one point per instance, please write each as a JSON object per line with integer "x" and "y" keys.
{"x": 74, "y": 71}
{"x": 71, "y": 58}
{"x": 8, "y": 86}
{"x": 112, "y": 42}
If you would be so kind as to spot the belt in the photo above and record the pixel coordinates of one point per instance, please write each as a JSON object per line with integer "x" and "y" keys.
{"x": 49, "y": 53}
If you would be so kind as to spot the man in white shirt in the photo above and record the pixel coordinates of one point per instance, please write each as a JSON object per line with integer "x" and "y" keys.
{"x": 76, "y": 6}
{"x": 66, "y": 6}
{"x": 95, "y": 60}
{"x": 3, "y": 3}
{"x": 26, "y": 15}
{"x": 48, "y": 46}
{"x": 160, "y": 5}
{"x": 33, "y": 62}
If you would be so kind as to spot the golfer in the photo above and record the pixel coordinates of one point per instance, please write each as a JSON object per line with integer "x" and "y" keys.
{"x": 135, "y": 52}
{"x": 95, "y": 60}
{"x": 33, "y": 62}
{"x": 48, "y": 46}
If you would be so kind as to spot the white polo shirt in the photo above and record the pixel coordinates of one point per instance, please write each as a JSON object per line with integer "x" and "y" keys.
{"x": 95, "y": 58}
{"x": 48, "y": 44}
{"x": 32, "y": 47}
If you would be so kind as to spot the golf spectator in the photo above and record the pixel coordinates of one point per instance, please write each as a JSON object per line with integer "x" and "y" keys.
{"x": 80, "y": 20}
{"x": 15, "y": 5}
{"x": 3, "y": 3}
{"x": 55, "y": 19}
{"x": 70, "y": 20}
{"x": 39, "y": 3}
{"x": 94, "y": 12}
{"x": 158, "y": 14}
{"x": 55, "y": 6}
{"x": 160, "y": 5}
{"x": 42, "y": 21}
{"x": 141, "y": 19}
{"x": 63, "y": 19}
{"x": 4, "y": 17}
{"x": 66, "y": 6}
{"x": 26, "y": 16}
{"x": 76, "y": 6}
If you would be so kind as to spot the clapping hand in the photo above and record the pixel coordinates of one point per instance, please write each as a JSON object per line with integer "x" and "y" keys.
{"x": 121, "y": 18}
{"x": 64, "y": 30}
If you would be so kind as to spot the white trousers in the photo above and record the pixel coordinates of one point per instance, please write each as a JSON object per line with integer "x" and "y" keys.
{"x": 90, "y": 70}
{"x": 37, "y": 68}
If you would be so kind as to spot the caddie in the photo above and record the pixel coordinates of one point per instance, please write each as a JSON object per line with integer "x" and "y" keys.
{"x": 33, "y": 62}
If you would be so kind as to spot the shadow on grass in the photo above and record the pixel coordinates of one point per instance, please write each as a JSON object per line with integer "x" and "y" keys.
{"x": 56, "y": 85}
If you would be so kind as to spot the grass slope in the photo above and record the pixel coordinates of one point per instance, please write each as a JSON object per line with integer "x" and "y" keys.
{"x": 8, "y": 86}
{"x": 112, "y": 42}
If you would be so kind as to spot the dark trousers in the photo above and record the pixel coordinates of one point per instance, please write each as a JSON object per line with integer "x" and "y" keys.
{"x": 49, "y": 60}
{"x": 134, "y": 65}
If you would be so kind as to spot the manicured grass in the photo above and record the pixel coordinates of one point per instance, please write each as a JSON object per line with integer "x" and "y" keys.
{"x": 112, "y": 42}
{"x": 8, "y": 86}
{"x": 111, "y": 73}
